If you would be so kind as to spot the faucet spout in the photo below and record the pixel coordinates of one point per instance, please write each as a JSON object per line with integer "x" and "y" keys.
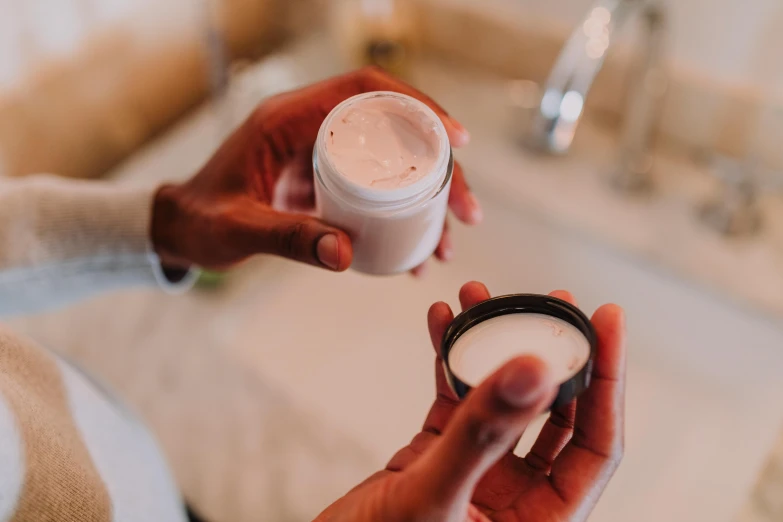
{"x": 566, "y": 90}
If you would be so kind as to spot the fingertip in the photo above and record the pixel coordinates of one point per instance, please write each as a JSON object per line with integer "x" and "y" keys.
{"x": 420, "y": 271}
{"x": 439, "y": 316}
{"x": 445, "y": 250}
{"x": 444, "y": 255}
{"x": 472, "y": 293}
{"x": 609, "y": 324}
{"x": 532, "y": 363}
{"x": 458, "y": 138}
{"x": 524, "y": 382}
{"x": 462, "y": 201}
{"x": 616, "y": 311}
{"x": 610, "y": 315}
{"x": 471, "y": 285}
{"x": 458, "y": 134}
{"x": 475, "y": 212}
{"x": 467, "y": 209}
{"x": 564, "y": 295}
{"x": 439, "y": 313}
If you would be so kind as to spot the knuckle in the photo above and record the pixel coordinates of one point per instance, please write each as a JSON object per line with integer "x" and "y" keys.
{"x": 402, "y": 459}
{"x": 290, "y": 240}
{"x": 561, "y": 421}
{"x": 421, "y": 442}
{"x": 537, "y": 462}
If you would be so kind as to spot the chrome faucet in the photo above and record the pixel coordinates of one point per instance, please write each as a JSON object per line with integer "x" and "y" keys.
{"x": 564, "y": 93}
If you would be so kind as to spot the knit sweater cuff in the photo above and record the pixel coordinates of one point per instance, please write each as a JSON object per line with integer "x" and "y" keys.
{"x": 62, "y": 240}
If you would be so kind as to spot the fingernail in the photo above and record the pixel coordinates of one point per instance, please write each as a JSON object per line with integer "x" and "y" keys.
{"x": 523, "y": 382}
{"x": 328, "y": 251}
{"x": 476, "y": 214}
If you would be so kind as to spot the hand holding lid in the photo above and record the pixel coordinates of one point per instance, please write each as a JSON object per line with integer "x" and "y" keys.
{"x": 460, "y": 466}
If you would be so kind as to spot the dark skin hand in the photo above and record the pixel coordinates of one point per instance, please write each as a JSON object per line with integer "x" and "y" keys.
{"x": 253, "y": 196}
{"x": 461, "y": 466}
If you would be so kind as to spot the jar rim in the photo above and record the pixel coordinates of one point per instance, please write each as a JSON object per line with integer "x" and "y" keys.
{"x": 397, "y": 199}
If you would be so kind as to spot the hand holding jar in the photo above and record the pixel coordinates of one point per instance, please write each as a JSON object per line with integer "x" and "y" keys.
{"x": 257, "y": 193}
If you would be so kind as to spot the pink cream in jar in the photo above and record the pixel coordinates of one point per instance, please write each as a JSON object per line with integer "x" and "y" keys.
{"x": 383, "y": 167}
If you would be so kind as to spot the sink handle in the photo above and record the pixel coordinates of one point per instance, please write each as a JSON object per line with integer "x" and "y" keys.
{"x": 735, "y": 210}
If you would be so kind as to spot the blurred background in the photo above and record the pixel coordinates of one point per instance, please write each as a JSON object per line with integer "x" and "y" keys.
{"x": 626, "y": 150}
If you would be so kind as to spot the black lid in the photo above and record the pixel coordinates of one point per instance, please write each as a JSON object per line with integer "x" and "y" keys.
{"x": 522, "y": 304}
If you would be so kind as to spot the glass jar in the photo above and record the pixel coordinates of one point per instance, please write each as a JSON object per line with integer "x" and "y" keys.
{"x": 392, "y": 230}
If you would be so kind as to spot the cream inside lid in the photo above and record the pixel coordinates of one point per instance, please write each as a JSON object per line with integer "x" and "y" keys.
{"x": 484, "y": 348}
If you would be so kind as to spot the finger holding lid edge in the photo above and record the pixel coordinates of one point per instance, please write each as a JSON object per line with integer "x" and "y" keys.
{"x": 472, "y": 294}
{"x": 587, "y": 462}
{"x": 580, "y": 445}
{"x": 559, "y": 427}
{"x": 438, "y": 319}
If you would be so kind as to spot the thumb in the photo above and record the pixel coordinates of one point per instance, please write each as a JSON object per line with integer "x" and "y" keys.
{"x": 483, "y": 429}
{"x": 302, "y": 238}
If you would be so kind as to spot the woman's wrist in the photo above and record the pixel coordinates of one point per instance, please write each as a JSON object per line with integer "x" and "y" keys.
{"x": 166, "y": 233}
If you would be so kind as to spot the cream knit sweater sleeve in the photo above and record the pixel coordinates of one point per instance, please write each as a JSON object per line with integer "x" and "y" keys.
{"x": 63, "y": 240}
{"x": 68, "y": 451}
